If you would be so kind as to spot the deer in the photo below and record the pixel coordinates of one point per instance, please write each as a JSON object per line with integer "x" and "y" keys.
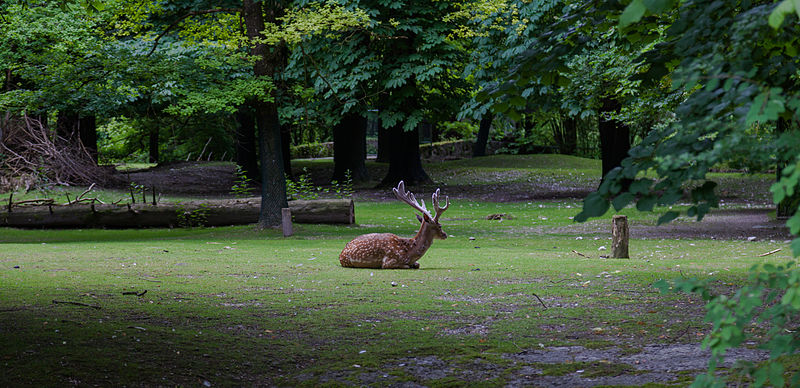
{"x": 389, "y": 251}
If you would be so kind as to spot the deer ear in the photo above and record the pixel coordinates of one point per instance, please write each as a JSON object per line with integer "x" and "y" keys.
{"x": 419, "y": 218}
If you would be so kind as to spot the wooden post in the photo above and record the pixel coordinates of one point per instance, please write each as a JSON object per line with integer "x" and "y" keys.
{"x": 286, "y": 221}
{"x": 619, "y": 237}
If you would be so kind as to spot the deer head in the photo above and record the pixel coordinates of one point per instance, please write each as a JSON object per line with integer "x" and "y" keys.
{"x": 431, "y": 222}
{"x": 387, "y": 250}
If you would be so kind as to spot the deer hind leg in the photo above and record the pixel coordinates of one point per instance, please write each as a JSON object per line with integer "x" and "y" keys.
{"x": 392, "y": 263}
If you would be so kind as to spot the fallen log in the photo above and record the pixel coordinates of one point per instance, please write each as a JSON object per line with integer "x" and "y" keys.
{"x": 189, "y": 213}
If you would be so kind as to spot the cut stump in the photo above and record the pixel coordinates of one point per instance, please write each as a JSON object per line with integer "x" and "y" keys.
{"x": 619, "y": 237}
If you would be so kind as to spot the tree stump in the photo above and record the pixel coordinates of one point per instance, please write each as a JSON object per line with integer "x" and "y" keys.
{"x": 286, "y": 214}
{"x": 619, "y": 237}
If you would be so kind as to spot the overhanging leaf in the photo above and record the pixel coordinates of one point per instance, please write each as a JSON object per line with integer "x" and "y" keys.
{"x": 632, "y": 13}
{"x": 667, "y": 217}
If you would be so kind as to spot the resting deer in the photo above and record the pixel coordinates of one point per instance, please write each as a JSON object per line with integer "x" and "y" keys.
{"x": 387, "y": 250}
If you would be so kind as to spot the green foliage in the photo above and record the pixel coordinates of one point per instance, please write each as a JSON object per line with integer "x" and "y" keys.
{"x": 312, "y": 150}
{"x": 242, "y": 186}
{"x": 457, "y": 130}
{"x": 343, "y": 189}
{"x": 302, "y": 187}
{"x": 770, "y": 297}
{"x": 192, "y": 218}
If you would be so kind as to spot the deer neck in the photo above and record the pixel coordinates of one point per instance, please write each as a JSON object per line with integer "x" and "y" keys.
{"x": 421, "y": 241}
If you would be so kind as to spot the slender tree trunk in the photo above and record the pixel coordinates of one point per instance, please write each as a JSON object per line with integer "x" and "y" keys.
{"x": 153, "y": 154}
{"x": 614, "y": 137}
{"x": 350, "y": 148}
{"x": 570, "y": 136}
{"x": 87, "y": 131}
{"x": 789, "y": 205}
{"x": 269, "y": 63}
{"x": 246, "y": 155}
{"x": 483, "y": 135}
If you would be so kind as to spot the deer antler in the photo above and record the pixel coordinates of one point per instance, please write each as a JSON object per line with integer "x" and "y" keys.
{"x": 439, "y": 210}
{"x": 408, "y": 197}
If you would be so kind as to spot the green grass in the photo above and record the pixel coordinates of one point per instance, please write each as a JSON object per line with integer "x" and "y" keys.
{"x": 237, "y": 306}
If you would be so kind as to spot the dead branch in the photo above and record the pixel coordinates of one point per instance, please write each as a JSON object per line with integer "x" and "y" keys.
{"x": 770, "y": 252}
{"x": 579, "y": 254}
{"x": 34, "y": 155}
{"x": 540, "y": 300}
{"x": 76, "y": 304}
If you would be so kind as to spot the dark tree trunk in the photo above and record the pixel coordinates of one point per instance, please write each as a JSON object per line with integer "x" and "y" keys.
{"x": 405, "y": 163}
{"x": 789, "y": 205}
{"x": 269, "y": 63}
{"x": 614, "y": 137}
{"x": 67, "y": 124}
{"x": 383, "y": 144}
{"x": 71, "y": 125}
{"x": 570, "y": 143}
{"x": 483, "y": 135}
{"x": 350, "y": 148}
{"x": 152, "y": 143}
{"x": 246, "y": 155}
{"x": 87, "y": 131}
{"x": 565, "y": 133}
{"x": 286, "y": 147}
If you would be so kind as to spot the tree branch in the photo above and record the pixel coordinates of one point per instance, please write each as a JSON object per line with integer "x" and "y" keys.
{"x": 180, "y": 19}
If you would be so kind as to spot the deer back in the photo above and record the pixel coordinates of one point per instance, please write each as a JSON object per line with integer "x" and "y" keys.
{"x": 376, "y": 250}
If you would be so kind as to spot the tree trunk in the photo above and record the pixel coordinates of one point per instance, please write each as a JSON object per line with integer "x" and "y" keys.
{"x": 286, "y": 147}
{"x": 405, "y": 163}
{"x": 269, "y": 63}
{"x": 565, "y": 133}
{"x": 195, "y": 213}
{"x": 350, "y": 148}
{"x": 619, "y": 237}
{"x": 483, "y": 135}
{"x": 246, "y": 155}
{"x": 789, "y": 205}
{"x": 614, "y": 137}
{"x": 87, "y": 131}
{"x": 153, "y": 155}
{"x": 570, "y": 143}
{"x": 67, "y": 124}
{"x": 383, "y": 144}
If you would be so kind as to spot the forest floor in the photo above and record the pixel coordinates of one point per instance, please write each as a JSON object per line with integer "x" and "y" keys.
{"x": 529, "y": 300}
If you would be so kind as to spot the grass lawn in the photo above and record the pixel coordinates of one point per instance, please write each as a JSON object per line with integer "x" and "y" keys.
{"x": 236, "y": 306}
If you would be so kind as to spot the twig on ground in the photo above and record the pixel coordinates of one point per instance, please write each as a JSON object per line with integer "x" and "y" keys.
{"x": 540, "y": 300}
{"x": 76, "y": 304}
{"x": 134, "y": 293}
{"x": 579, "y": 254}
{"x": 770, "y": 252}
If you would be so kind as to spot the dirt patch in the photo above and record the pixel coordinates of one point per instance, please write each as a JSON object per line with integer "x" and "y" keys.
{"x": 209, "y": 179}
{"x": 656, "y": 363}
{"x": 750, "y": 224}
